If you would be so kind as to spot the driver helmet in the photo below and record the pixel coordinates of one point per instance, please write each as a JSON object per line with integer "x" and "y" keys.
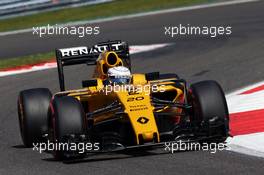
{"x": 119, "y": 75}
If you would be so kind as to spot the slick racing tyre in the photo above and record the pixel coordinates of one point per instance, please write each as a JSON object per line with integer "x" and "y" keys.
{"x": 210, "y": 112}
{"x": 33, "y": 107}
{"x": 68, "y": 118}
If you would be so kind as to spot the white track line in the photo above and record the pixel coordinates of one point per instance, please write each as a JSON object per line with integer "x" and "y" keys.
{"x": 239, "y": 91}
{"x": 250, "y": 144}
{"x": 246, "y": 102}
{"x": 179, "y": 9}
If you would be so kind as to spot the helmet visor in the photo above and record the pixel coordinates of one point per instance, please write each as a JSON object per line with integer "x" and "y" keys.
{"x": 119, "y": 80}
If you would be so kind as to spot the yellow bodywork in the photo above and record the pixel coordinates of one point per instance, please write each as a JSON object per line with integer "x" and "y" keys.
{"x": 140, "y": 113}
{"x": 136, "y": 104}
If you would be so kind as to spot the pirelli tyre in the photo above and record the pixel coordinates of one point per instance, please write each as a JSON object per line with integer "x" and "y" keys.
{"x": 33, "y": 107}
{"x": 210, "y": 112}
{"x": 68, "y": 118}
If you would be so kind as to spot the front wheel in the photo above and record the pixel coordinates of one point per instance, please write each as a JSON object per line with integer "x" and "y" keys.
{"x": 210, "y": 112}
{"x": 68, "y": 118}
{"x": 32, "y": 109}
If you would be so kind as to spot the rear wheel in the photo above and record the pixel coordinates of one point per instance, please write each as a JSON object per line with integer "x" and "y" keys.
{"x": 68, "y": 118}
{"x": 33, "y": 107}
{"x": 210, "y": 112}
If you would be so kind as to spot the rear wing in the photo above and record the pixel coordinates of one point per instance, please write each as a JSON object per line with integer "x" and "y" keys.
{"x": 86, "y": 55}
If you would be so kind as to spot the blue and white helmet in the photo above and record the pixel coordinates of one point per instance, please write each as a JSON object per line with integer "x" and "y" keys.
{"x": 119, "y": 75}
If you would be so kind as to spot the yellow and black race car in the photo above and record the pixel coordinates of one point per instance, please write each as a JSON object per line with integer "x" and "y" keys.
{"x": 108, "y": 119}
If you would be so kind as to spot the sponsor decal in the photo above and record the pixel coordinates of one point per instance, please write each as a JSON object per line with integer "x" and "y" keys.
{"x": 142, "y": 120}
{"x": 75, "y": 51}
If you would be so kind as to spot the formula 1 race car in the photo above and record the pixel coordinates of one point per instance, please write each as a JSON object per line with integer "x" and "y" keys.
{"x": 116, "y": 120}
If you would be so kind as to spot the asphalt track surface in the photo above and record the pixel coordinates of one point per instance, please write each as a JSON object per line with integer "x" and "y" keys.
{"x": 234, "y": 61}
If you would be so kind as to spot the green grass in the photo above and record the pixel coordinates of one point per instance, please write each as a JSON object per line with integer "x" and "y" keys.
{"x": 26, "y": 60}
{"x": 118, "y": 7}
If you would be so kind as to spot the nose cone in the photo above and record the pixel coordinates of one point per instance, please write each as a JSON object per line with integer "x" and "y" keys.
{"x": 141, "y": 116}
